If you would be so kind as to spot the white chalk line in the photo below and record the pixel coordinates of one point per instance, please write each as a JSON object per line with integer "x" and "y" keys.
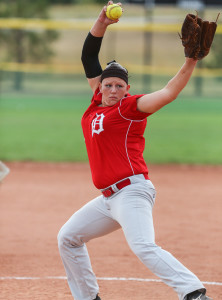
{"x": 99, "y": 278}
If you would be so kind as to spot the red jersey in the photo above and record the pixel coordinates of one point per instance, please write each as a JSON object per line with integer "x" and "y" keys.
{"x": 114, "y": 140}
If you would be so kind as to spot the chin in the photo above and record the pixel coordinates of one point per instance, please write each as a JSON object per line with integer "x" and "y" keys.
{"x": 113, "y": 102}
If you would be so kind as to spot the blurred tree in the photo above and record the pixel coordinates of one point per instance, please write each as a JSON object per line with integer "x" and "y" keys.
{"x": 102, "y": 2}
{"x": 76, "y": 1}
{"x": 62, "y": 1}
{"x": 216, "y": 51}
{"x": 24, "y": 45}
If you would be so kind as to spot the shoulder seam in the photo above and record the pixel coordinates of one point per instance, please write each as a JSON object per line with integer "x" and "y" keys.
{"x": 127, "y": 118}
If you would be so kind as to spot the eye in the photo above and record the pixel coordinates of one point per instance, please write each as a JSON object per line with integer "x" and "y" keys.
{"x": 108, "y": 85}
{"x": 119, "y": 86}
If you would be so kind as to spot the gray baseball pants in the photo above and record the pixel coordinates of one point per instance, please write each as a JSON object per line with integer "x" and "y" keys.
{"x": 130, "y": 209}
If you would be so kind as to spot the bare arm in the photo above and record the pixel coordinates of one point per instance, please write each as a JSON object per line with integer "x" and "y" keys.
{"x": 152, "y": 102}
{"x": 98, "y": 30}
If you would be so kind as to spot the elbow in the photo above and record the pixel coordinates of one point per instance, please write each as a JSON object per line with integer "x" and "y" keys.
{"x": 174, "y": 97}
{"x": 171, "y": 95}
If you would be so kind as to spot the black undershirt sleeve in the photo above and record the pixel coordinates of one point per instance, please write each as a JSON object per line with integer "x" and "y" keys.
{"x": 90, "y": 56}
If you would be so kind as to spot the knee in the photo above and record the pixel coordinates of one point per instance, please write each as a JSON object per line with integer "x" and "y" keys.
{"x": 67, "y": 239}
{"x": 62, "y": 239}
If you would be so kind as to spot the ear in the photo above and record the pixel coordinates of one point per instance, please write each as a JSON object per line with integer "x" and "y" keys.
{"x": 127, "y": 89}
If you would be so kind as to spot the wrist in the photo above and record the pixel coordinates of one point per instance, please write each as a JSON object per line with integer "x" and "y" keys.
{"x": 98, "y": 29}
{"x": 191, "y": 61}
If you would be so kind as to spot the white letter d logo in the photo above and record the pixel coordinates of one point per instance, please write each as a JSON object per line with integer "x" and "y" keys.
{"x": 97, "y": 124}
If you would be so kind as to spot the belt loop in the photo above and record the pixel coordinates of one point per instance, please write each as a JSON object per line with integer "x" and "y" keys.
{"x": 114, "y": 188}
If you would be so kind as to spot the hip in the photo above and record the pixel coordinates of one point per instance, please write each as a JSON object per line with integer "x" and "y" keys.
{"x": 142, "y": 179}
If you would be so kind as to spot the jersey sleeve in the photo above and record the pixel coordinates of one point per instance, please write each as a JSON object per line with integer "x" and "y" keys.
{"x": 128, "y": 108}
{"x": 97, "y": 97}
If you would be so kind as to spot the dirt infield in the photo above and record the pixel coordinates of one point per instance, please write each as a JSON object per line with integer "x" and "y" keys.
{"x": 36, "y": 199}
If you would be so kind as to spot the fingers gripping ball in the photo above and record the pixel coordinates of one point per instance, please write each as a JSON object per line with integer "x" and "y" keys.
{"x": 114, "y": 11}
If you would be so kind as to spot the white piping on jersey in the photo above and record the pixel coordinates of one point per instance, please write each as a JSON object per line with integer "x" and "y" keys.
{"x": 125, "y": 117}
{"x": 131, "y": 121}
{"x": 126, "y": 147}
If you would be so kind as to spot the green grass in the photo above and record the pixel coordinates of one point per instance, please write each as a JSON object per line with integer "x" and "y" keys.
{"x": 41, "y": 129}
{"x": 187, "y": 131}
{"x": 49, "y": 129}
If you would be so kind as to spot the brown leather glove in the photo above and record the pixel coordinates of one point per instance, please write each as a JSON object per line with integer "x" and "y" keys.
{"x": 197, "y": 36}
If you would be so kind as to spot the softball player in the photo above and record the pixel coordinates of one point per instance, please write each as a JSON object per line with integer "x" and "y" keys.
{"x": 113, "y": 128}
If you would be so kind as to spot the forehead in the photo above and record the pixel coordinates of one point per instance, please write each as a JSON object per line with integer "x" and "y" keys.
{"x": 113, "y": 80}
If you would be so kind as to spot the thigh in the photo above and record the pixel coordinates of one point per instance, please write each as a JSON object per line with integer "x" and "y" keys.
{"x": 91, "y": 221}
{"x": 133, "y": 211}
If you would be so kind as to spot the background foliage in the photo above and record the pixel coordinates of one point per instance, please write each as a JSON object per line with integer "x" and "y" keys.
{"x": 41, "y": 121}
{"x": 21, "y": 45}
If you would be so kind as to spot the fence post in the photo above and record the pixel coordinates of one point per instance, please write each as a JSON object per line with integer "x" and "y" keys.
{"x": 147, "y": 59}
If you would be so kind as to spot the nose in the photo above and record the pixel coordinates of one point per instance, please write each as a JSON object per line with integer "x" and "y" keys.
{"x": 113, "y": 89}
